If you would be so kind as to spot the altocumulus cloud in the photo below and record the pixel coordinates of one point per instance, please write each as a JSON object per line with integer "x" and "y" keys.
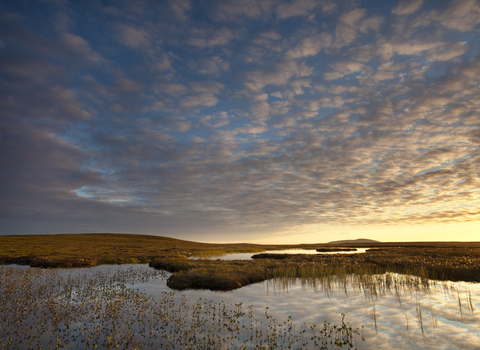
{"x": 193, "y": 116}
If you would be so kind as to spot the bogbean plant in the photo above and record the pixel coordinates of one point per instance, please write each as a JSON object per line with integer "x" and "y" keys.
{"x": 49, "y": 309}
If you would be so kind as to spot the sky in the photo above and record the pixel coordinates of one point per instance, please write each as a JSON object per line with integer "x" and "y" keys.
{"x": 261, "y": 121}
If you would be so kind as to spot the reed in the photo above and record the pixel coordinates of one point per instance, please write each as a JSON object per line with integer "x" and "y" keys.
{"x": 228, "y": 275}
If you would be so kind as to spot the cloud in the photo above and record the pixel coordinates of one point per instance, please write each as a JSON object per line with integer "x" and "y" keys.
{"x": 78, "y": 46}
{"x": 296, "y": 8}
{"x": 254, "y": 114}
{"x": 201, "y": 38}
{"x": 157, "y": 106}
{"x": 132, "y": 36}
{"x": 180, "y": 8}
{"x": 183, "y": 126}
{"x": 261, "y": 111}
{"x": 415, "y": 47}
{"x": 461, "y": 15}
{"x": 163, "y": 62}
{"x": 69, "y": 45}
{"x": 213, "y": 66}
{"x": 371, "y": 23}
{"x": 345, "y": 33}
{"x": 310, "y": 46}
{"x": 342, "y": 69}
{"x": 299, "y": 84}
{"x": 45, "y": 167}
{"x": 350, "y": 23}
{"x": 205, "y": 99}
{"x": 209, "y": 86}
{"x": 171, "y": 89}
{"x": 249, "y": 129}
{"x": 280, "y": 74}
{"x": 277, "y": 94}
{"x": 237, "y": 10}
{"x": 127, "y": 85}
{"x": 26, "y": 37}
{"x": 447, "y": 52}
{"x": 407, "y": 7}
{"x": 271, "y": 35}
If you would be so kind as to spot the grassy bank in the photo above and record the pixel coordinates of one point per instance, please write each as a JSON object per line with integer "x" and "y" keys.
{"x": 436, "y": 260}
{"x": 78, "y": 250}
{"x": 103, "y": 248}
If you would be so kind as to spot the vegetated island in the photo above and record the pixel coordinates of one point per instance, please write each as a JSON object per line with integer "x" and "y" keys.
{"x": 458, "y": 261}
{"x": 332, "y": 250}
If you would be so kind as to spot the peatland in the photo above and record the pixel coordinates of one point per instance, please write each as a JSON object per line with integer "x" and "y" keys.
{"x": 456, "y": 261}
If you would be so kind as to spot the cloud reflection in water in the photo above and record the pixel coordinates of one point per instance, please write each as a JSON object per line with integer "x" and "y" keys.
{"x": 445, "y": 324}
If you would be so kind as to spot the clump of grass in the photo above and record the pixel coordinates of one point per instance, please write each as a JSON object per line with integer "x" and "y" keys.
{"x": 335, "y": 249}
{"x": 210, "y": 274}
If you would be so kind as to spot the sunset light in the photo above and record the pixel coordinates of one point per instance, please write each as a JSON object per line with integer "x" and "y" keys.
{"x": 260, "y": 121}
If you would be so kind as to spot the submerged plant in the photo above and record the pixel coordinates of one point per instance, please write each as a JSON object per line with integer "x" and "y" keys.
{"x": 52, "y": 309}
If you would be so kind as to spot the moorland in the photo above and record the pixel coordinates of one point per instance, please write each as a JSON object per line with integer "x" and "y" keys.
{"x": 456, "y": 261}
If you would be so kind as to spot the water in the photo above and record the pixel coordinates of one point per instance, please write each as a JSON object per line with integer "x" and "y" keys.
{"x": 392, "y": 320}
{"x": 248, "y": 256}
{"x": 397, "y": 311}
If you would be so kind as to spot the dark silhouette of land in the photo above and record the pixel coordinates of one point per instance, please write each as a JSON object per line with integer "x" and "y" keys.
{"x": 356, "y": 241}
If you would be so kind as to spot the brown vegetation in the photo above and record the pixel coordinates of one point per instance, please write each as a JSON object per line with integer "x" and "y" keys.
{"x": 436, "y": 260}
{"x": 48, "y": 250}
{"x": 456, "y": 264}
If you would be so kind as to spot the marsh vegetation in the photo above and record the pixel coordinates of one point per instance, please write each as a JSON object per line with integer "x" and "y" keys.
{"x": 436, "y": 263}
{"x": 111, "y": 308}
{"x": 439, "y": 260}
{"x": 45, "y": 309}
{"x": 53, "y": 308}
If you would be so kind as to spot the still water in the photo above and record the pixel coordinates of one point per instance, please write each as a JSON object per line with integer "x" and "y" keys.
{"x": 444, "y": 316}
{"x": 248, "y": 256}
{"x": 397, "y": 311}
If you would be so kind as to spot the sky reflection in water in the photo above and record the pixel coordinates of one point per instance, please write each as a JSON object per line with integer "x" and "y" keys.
{"x": 248, "y": 256}
{"x": 445, "y": 324}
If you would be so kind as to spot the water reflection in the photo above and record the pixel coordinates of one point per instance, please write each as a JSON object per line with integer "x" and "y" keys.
{"x": 398, "y": 311}
{"x": 407, "y": 314}
{"x": 358, "y": 251}
{"x": 248, "y": 256}
{"x": 90, "y": 309}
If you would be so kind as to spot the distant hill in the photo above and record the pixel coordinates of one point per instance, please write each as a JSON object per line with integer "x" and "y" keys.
{"x": 353, "y": 241}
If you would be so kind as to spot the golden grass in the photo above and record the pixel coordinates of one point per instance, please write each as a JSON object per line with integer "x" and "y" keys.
{"x": 113, "y": 248}
{"x": 435, "y": 260}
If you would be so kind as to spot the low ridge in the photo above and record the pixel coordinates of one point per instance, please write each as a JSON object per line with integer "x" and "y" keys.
{"x": 351, "y": 241}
